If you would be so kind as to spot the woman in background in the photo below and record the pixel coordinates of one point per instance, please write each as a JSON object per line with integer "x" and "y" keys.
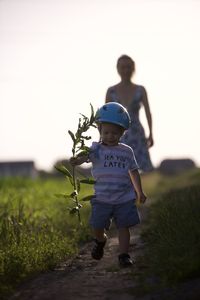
{"x": 133, "y": 96}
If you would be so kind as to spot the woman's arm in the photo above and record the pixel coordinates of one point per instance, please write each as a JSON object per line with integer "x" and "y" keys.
{"x": 108, "y": 98}
{"x": 148, "y": 116}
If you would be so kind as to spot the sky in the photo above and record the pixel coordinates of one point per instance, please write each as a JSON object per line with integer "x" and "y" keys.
{"x": 58, "y": 56}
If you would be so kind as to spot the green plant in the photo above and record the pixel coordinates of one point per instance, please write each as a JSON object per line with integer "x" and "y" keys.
{"x": 173, "y": 235}
{"x": 35, "y": 234}
{"x": 79, "y": 148}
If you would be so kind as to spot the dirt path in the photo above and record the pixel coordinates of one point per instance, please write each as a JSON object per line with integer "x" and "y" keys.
{"x": 85, "y": 278}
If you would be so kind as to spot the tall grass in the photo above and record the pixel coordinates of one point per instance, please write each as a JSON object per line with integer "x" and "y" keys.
{"x": 155, "y": 183}
{"x": 36, "y": 231}
{"x": 173, "y": 235}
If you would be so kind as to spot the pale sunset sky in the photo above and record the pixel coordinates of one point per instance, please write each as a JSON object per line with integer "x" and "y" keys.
{"x": 58, "y": 56}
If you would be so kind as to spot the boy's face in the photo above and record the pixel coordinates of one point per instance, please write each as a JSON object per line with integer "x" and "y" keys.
{"x": 111, "y": 133}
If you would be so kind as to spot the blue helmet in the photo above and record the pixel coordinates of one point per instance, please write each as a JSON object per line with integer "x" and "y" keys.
{"x": 113, "y": 113}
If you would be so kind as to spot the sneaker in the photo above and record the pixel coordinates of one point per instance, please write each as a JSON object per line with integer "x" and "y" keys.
{"x": 125, "y": 260}
{"x": 97, "y": 251}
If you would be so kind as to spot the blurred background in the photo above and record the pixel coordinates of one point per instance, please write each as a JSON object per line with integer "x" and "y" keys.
{"x": 58, "y": 56}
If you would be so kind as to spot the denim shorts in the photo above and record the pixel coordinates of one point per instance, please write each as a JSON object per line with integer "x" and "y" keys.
{"x": 123, "y": 214}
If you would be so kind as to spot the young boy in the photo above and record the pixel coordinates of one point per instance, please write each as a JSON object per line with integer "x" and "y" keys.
{"x": 117, "y": 184}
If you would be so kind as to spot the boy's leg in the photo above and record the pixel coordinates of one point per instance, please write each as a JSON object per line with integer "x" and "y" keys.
{"x": 100, "y": 219}
{"x": 100, "y": 235}
{"x": 124, "y": 239}
{"x": 100, "y": 241}
{"x": 124, "y": 243}
{"x": 125, "y": 216}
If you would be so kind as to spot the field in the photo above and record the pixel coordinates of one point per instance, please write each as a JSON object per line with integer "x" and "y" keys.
{"x": 172, "y": 232}
{"x": 37, "y": 231}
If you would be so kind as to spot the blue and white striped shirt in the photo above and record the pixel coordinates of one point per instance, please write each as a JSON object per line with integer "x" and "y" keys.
{"x": 110, "y": 169}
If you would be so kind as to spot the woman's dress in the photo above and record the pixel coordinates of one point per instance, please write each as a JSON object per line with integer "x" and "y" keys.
{"x": 135, "y": 135}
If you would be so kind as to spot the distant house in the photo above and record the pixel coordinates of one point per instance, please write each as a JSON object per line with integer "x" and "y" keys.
{"x": 176, "y": 166}
{"x": 18, "y": 168}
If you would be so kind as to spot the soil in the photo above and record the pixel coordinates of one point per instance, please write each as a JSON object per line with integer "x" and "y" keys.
{"x": 84, "y": 278}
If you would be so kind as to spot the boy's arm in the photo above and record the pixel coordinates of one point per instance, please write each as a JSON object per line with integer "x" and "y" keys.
{"x": 79, "y": 160}
{"x": 136, "y": 180}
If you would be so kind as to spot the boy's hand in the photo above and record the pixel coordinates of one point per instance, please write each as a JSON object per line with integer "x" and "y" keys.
{"x": 73, "y": 161}
{"x": 78, "y": 160}
{"x": 141, "y": 197}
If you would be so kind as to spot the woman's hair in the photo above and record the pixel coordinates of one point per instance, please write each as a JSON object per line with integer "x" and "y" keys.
{"x": 124, "y": 56}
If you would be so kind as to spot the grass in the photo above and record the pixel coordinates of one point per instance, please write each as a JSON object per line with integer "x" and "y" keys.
{"x": 36, "y": 230}
{"x": 156, "y": 184}
{"x": 172, "y": 231}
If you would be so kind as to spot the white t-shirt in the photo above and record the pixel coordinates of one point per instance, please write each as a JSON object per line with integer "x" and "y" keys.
{"x": 110, "y": 166}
